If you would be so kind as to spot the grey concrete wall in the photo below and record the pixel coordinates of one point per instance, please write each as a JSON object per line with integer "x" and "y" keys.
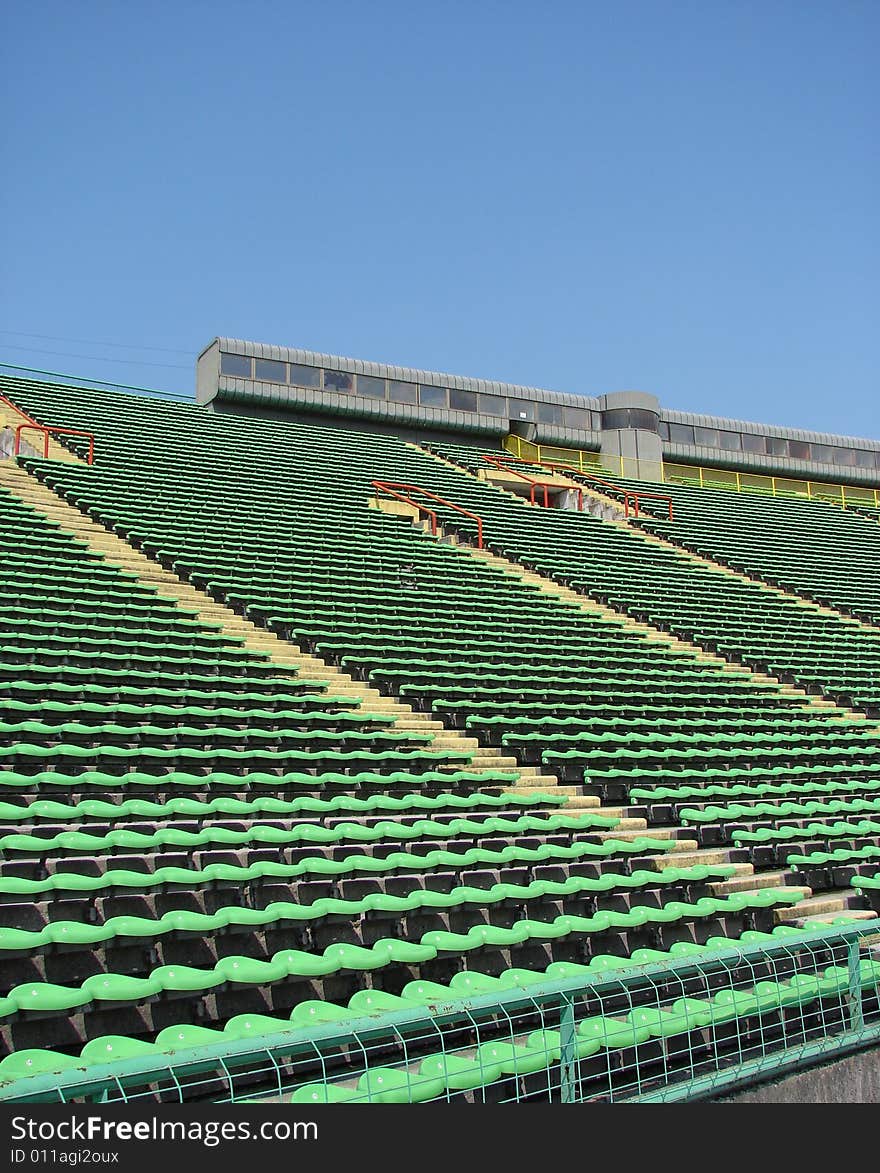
{"x": 853, "y": 1080}
{"x": 208, "y": 373}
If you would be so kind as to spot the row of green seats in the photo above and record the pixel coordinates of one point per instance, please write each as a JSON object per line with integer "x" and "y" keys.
{"x": 83, "y": 842}
{"x": 142, "y": 808}
{"x": 246, "y": 758}
{"x": 350, "y": 865}
{"x": 757, "y": 810}
{"x": 751, "y": 790}
{"x": 96, "y": 779}
{"x": 808, "y": 830}
{"x": 773, "y": 773}
{"x": 839, "y": 855}
{"x": 64, "y": 932}
{"x": 248, "y": 715}
{"x": 31, "y": 730}
{"x": 420, "y": 994}
{"x": 336, "y": 958}
{"x": 290, "y": 692}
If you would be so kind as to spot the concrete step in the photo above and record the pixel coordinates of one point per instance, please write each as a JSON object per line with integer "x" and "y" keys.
{"x": 694, "y": 855}
{"x": 628, "y": 833}
{"x": 637, "y": 826}
{"x": 751, "y": 882}
{"x": 534, "y": 784}
{"x": 747, "y": 883}
{"x": 824, "y": 905}
{"x": 576, "y": 802}
{"x": 854, "y": 914}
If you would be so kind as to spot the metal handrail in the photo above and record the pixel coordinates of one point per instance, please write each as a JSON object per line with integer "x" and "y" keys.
{"x": 635, "y": 494}
{"x": 5, "y": 399}
{"x": 391, "y": 488}
{"x": 56, "y": 431}
{"x": 498, "y": 461}
{"x": 719, "y": 477}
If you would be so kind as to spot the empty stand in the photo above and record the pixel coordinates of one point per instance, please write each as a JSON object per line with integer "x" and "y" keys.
{"x": 191, "y": 833}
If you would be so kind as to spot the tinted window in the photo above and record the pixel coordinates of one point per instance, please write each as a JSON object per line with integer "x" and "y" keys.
{"x": 631, "y": 417}
{"x": 521, "y": 409}
{"x": 799, "y": 449}
{"x": 845, "y": 457}
{"x": 432, "y": 396}
{"x": 866, "y": 459}
{"x": 663, "y": 430}
{"x": 305, "y": 376}
{"x": 370, "y": 386}
{"x": 402, "y": 392}
{"x": 462, "y": 400}
{"x": 709, "y": 437}
{"x": 235, "y": 364}
{"x": 578, "y": 417}
{"x": 549, "y": 413}
{"x": 753, "y": 443}
{"x": 730, "y": 441}
{"x": 647, "y": 421}
{"x": 776, "y": 446}
{"x": 270, "y": 370}
{"x": 492, "y": 404}
{"x": 822, "y": 453}
{"x": 681, "y": 433}
{"x": 337, "y": 381}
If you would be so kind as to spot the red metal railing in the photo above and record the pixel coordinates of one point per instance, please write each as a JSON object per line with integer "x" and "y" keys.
{"x": 391, "y": 488}
{"x": 16, "y": 408}
{"x": 55, "y": 431}
{"x": 628, "y": 494}
{"x": 501, "y": 463}
{"x": 32, "y": 425}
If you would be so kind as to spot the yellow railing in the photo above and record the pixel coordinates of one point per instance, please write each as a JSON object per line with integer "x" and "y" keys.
{"x": 584, "y": 461}
{"x": 750, "y": 482}
{"x": 710, "y": 478}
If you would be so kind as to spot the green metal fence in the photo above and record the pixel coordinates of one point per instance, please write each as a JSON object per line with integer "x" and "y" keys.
{"x": 709, "y": 1021}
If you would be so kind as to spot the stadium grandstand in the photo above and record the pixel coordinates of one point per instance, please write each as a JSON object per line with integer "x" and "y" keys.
{"x": 371, "y": 734}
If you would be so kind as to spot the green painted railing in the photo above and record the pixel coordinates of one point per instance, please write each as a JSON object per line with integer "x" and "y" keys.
{"x": 688, "y": 1029}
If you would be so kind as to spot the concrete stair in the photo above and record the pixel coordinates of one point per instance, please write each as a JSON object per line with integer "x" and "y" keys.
{"x": 817, "y": 908}
{"x": 819, "y": 919}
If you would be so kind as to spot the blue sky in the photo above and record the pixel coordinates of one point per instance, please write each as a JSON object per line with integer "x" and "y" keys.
{"x": 674, "y": 196}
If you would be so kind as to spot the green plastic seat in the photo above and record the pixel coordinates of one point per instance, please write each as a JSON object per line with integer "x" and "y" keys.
{"x": 244, "y": 970}
{"x": 376, "y": 1002}
{"x": 181, "y": 1038}
{"x": 34, "y": 1061}
{"x": 255, "y": 1026}
{"x": 425, "y": 993}
{"x": 513, "y": 1060}
{"x": 313, "y": 1013}
{"x": 185, "y": 977}
{"x": 387, "y": 1085}
{"x": 323, "y": 1093}
{"x": 613, "y": 1033}
{"x": 115, "y": 987}
{"x": 109, "y": 1048}
{"x": 44, "y": 996}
